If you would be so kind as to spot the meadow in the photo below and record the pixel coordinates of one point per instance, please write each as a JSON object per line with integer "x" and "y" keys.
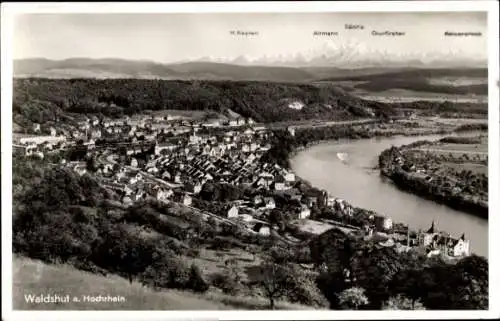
{"x": 36, "y": 277}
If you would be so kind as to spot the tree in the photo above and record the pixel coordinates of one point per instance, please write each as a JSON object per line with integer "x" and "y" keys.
{"x": 274, "y": 280}
{"x": 281, "y": 278}
{"x": 57, "y": 189}
{"x": 471, "y": 283}
{"x": 253, "y": 250}
{"x": 409, "y": 284}
{"x": 282, "y": 254}
{"x": 233, "y": 268}
{"x": 229, "y": 192}
{"x": 353, "y": 298}
{"x": 330, "y": 248}
{"x": 196, "y": 281}
{"x": 209, "y": 192}
{"x": 460, "y": 286}
{"x": 168, "y": 271}
{"x": 331, "y": 284}
{"x": 230, "y": 280}
{"x": 125, "y": 252}
{"x": 277, "y": 217}
{"x": 401, "y": 302}
{"x": 219, "y": 255}
{"x": 302, "y": 287}
{"x": 226, "y": 282}
{"x": 373, "y": 269}
{"x": 200, "y": 226}
{"x": 213, "y": 223}
{"x": 91, "y": 164}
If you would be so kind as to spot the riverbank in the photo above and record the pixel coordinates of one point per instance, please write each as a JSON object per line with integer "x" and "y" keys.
{"x": 448, "y": 171}
{"x": 307, "y": 138}
{"x": 349, "y": 180}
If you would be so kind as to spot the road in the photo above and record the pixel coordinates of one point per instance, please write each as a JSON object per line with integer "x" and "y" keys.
{"x": 154, "y": 178}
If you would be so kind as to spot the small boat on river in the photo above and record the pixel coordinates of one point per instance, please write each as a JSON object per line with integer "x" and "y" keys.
{"x": 343, "y": 157}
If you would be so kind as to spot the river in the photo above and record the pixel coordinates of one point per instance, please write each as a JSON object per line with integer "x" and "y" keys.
{"x": 355, "y": 180}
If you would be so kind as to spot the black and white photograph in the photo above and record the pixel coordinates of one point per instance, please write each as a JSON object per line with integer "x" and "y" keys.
{"x": 234, "y": 160}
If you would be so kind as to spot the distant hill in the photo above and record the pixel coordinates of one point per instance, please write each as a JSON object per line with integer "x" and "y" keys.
{"x": 91, "y": 68}
{"x": 377, "y": 73}
{"x": 394, "y": 76}
{"x": 208, "y": 70}
{"x": 321, "y": 73}
{"x": 120, "y": 68}
{"x": 462, "y": 81}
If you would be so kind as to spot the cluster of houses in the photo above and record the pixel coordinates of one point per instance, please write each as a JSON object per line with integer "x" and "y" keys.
{"x": 432, "y": 241}
{"x": 185, "y": 156}
{"x": 38, "y": 145}
{"x": 415, "y": 168}
{"x": 134, "y": 129}
{"x": 442, "y": 243}
{"x": 178, "y": 170}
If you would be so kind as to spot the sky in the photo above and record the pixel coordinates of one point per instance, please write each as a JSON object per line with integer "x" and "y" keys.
{"x": 178, "y": 37}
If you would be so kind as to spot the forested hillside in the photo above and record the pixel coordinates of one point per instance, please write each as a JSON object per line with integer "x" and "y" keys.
{"x": 40, "y": 100}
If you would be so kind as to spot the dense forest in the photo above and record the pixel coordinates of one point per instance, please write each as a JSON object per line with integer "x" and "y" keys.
{"x": 38, "y": 100}
{"x": 41, "y": 100}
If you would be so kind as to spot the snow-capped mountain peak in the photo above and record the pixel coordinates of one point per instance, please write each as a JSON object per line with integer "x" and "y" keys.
{"x": 352, "y": 54}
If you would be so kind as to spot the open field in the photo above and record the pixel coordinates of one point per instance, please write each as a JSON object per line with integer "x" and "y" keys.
{"x": 456, "y": 152}
{"x": 35, "y": 277}
{"x": 389, "y": 96}
{"x": 473, "y": 167}
{"x": 452, "y": 81}
{"x": 463, "y": 148}
{"x": 387, "y": 89}
{"x": 422, "y": 125}
{"x": 459, "y": 121}
{"x": 443, "y": 122}
{"x": 313, "y": 227}
{"x": 457, "y": 81}
{"x": 474, "y": 152}
{"x": 452, "y": 171}
{"x": 316, "y": 123}
{"x": 354, "y": 87}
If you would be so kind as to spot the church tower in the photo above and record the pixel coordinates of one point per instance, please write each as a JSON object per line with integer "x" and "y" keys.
{"x": 432, "y": 229}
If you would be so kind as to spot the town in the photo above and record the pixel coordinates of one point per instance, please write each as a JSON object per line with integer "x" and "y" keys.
{"x": 185, "y": 160}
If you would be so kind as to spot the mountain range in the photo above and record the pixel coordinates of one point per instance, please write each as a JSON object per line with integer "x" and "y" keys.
{"x": 353, "y": 55}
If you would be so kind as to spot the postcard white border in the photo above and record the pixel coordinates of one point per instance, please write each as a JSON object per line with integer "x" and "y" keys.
{"x": 10, "y": 9}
